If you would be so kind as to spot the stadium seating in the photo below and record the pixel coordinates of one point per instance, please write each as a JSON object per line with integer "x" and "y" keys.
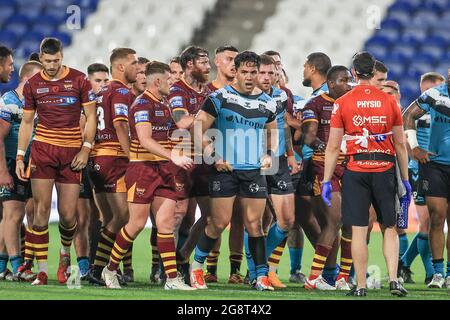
{"x": 424, "y": 39}
{"x": 23, "y": 24}
{"x": 300, "y": 27}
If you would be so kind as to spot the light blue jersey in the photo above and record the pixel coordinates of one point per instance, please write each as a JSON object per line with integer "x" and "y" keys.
{"x": 423, "y": 138}
{"x": 11, "y": 111}
{"x": 436, "y": 101}
{"x": 241, "y": 120}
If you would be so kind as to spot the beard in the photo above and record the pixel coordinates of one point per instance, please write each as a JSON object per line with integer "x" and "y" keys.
{"x": 306, "y": 82}
{"x": 200, "y": 76}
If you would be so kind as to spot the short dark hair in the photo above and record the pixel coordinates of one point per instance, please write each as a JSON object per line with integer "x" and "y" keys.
{"x": 320, "y": 61}
{"x": 28, "y": 67}
{"x": 143, "y": 60}
{"x": 97, "y": 67}
{"x": 120, "y": 53}
{"x": 364, "y": 64}
{"x": 34, "y": 56}
{"x": 226, "y": 48}
{"x": 5, "y": 52}
{"x": 247, "y": 56}
{"x": 51, "y": 46}
{"x": 191, "y": 53}
{"x": 272, "y": 53}
{"x": 155, "y": 67}
{"x": 175, "y": 60}
{"x": 380, "y": 67}
{"x": 432, "y": 77}
{"x": 266, "y": 59}
{"x": 334, "y": 71}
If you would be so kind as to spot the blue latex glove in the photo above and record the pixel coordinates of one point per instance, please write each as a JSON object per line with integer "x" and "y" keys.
{"x": 326, "y": 193}
{"x": 408, "y": 188}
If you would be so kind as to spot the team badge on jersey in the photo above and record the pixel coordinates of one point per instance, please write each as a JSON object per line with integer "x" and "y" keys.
{"x": 121, "y": 109}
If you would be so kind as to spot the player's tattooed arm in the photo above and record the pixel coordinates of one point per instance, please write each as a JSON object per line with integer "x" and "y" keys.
{"x": 411, "y": 114}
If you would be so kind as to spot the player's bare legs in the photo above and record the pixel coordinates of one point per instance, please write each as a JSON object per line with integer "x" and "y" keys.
{"x": 81, "y": 239}
{"x": 236, "y": 242}
{"x": 13, "y": 214}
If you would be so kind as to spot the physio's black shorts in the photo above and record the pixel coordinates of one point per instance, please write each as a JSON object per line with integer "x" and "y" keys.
{"x": 415, "y": 179}
{"x": 243, "y": 183}
{"x": 361, "y": 189}
{"x": 21, "y": 190}
{"x": 303, "y": 181}
{"x": 436, "y": 179}
{"x": 280, "y": 182}
{"x": 85, "y": 186}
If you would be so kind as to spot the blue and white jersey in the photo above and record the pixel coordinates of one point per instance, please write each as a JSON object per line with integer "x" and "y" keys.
{"x": 281, "y": 100}
{"x": 436, "y": 101}
{"x": 240, "y": 120}
{"x": 11, "y": 111}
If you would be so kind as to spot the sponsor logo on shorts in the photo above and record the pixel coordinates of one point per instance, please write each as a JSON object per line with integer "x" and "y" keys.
{"x": 97, "y": 167}
{"x": 176, "y": 102}
{"x": 42, "y": 90}
{"x": 359, "y": 120}
{"x": 121, "y": 109}
{"x": 33, "y": 168}
{"x": 140, "y": 192}
{"x": 20, "y": 190}
{"x": 179, "y": 186}
{"x": 216, "y": 186}
{"x": 282, "y": 185}
{"x": 425, "y": 185}
{"x": 253, "y": 188}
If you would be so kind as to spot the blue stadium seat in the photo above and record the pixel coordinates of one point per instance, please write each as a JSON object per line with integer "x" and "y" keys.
{"x": 29, "y": 11}
{"x": 63, "y": 36}
{"x": 443, "y": 67}
{"x": 404, "y": 48}
{"x": 8, "y": 39}
{"x": 6, "y": 12}
{"x": 391, "y": 23}
{"x": 403, "y": 17}
{"x": 414, "y": 36}
{"x": 17, "y": 28}
{"x": 435, "y": 5}
{"x": 402, "y": 6}
{"x": 44, "y": 27}
{"x": 18, "y": 18}
{"x": 426, "y": 18}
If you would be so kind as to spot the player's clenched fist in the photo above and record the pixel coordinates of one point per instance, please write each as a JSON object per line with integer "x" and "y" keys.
{"x": 182, "y": 161}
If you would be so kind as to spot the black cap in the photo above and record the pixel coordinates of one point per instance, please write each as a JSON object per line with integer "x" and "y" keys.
{"x": 364, "y": 63}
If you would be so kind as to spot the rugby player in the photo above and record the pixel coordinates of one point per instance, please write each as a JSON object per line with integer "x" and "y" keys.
{"x": 57, "y": 94}
{"x": 138, "y": 87}
{"x": 435, "y": 166}
{"x": 150, "y": 177}
{"x": 14, "y": 193}
{"x": 176, "y": 72}
{"x": 238, "y": 167}
{"x": 109, "y": 158}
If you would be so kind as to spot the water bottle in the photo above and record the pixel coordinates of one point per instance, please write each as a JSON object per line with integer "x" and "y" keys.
{"x": 402, "y": 217}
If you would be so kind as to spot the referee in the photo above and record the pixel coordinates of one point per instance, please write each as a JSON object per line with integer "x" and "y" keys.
{"x": 374, "y": 137}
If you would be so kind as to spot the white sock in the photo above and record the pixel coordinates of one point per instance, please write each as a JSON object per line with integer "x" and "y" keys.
{"x": 272, "y": 268}
{"x": 197, "y": 265}
{"x": 43, "y": 266}
{"x": 65, "y": 250}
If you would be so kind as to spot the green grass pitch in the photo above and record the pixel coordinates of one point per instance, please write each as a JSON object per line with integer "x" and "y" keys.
{"x": 141, "y": 289}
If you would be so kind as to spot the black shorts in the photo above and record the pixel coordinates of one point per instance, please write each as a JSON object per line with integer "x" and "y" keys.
{"x": 303, "y": 181}
{"x": 361, "y": 189}
{"x": 280, "y": 182}
{"x": 21, "y": 190}
{"x": 85, "y": 186}
{"x": 200, "y": 180}
{"x": 436, "y": 180}
{"x": 415, "y": 179}
{"x": 242, "y": 183}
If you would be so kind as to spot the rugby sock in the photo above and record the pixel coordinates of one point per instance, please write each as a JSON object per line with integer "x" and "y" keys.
{"x": 204, "y": 246}
{"x": 346, "y": 258}
{"x": 412, "y": 251}
{"x": 403, "y": 239}
{"x": 3, "y": 261}
{"x": 29, "y": 251}
{"x": 438, "y": 266}
{"x": 154, "y": 245}
{"x": 235, "y": 261}
{"x": 127, "y": 259}
{"x": 275, "y": 257}
{"x": 104, "y": 248}
{"x": 119, "y": 249}
{"x": 250, "y": 263}
{"x": 40, "y": 242}
{"x": 211, "y": 262}
{"x": 257, "y": 247}
{"x": 423, "y": 247}
{"x": 67, "y": 234}
{"x": 330, "y": 274}
{"x": 274, "y": 238}
{"x": 320, "y": 256}
{"x": 166, "y": 248}
{"x": 16, "y": 262}
{"x": 83, "y": 265}
{"x": 23, "y": 231}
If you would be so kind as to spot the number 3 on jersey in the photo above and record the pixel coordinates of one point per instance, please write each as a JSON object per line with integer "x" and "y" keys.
{"x": 100, "y": 118}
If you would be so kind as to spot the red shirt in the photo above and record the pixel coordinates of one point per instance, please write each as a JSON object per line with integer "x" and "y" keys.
{"x": 113, "y": 103}
{"x": 147, "y": 109}
{"x": 370, "y": 108}
{"x": 58, "y": 106}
